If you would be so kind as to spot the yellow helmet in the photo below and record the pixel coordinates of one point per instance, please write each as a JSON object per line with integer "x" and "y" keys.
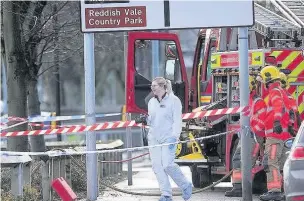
{"x": 252, "y": 83}
{"x": 284, "y": 81}
{"x": 270, "y": 73}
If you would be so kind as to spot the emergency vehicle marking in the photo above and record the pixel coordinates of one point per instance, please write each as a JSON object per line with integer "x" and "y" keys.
{"x": 300, "y": 98}
{"x": 276, "y": 53}
{"x": 293, "y": 61}
{"x": 301, "y": 108}
{"x": 290, "y": 58}
{"x": 220, "y": 60}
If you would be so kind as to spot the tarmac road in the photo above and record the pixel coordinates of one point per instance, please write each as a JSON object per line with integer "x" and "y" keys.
{"x": 145, "y": 182}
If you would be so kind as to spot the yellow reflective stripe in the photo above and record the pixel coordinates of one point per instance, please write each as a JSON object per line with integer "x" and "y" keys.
{"x": 301, "y": 108}
{"x": 276, "y": 53}
{"x": 292, "y": 56}
{"x": 296, "y": 72}
{"x": 300, "y": 91}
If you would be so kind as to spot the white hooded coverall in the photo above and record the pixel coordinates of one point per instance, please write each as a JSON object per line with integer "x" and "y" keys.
{"x": 165, "y": 122}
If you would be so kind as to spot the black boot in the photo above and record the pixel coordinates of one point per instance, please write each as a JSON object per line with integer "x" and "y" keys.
{"x": 275, "y": 196}
{"x": 235, "y": 192}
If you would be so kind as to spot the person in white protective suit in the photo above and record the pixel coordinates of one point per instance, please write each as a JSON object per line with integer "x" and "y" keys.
{"x": 165, "y": 122}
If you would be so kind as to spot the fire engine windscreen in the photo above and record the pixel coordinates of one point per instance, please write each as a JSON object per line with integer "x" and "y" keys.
{"x": 156, "y": 58}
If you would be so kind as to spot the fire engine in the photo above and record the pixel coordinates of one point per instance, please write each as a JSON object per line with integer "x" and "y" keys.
{"x": 214, "y": 84}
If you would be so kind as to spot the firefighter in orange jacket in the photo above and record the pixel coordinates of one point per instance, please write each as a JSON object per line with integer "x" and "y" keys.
{"x": 257, "y": 117}
{"x": 294, "y": 113}
{"x": 276, "y": 130}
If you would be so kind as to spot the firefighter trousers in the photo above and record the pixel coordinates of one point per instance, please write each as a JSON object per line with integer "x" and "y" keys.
{"x": 274, "y": 159}
{"x": 257, "y": 145}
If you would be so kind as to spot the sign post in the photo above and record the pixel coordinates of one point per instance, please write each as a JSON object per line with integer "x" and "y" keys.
{"x": 246, "y": 145}
{"x": 128, "y": 116}
{"x": 91, "y": 158}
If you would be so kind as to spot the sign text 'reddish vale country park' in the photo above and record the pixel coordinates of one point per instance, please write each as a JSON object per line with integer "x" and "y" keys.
{"x": 116, "y": 17}
{"x": 127, "y": 15}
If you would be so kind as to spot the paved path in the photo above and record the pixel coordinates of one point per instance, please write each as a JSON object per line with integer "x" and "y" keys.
{"x": 145, "y": 182}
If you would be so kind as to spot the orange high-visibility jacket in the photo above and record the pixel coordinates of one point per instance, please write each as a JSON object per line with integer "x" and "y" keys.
{"x": 277, "y": 110}
{"x": 258, "y": 111}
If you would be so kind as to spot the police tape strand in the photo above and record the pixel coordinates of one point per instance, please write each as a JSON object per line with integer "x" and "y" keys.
{"x": 72, "y": 152}
{"x": 55, "y": 118}
{"x": 77, "y": 117}
{"x": 122, "y": 124}
{"x": 14, "y": 125}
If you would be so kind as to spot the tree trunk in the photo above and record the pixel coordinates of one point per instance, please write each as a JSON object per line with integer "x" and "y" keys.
{"x": 37, "y": 142}
{"x": 16, "y": 85}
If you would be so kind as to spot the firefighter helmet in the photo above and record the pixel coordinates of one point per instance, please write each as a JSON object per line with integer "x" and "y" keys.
{"x": 252, "y": 83}
{"x": 284, "y": 81}
{"x": 270, "y": 73}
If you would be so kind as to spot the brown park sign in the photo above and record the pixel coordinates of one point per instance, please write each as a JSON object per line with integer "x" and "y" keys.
{"x": 115, "y": 17}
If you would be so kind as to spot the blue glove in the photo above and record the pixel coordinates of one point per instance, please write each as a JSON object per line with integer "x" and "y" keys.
{"x": 171, "y": 140}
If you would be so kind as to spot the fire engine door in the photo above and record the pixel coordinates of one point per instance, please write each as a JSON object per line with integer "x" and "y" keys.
{"x": 151, "y": 55}
{"x": 201, "y": 83}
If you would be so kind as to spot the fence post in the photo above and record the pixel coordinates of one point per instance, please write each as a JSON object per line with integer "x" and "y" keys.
{"x": 46, "y": 187}
{"x": 129, "y": 153}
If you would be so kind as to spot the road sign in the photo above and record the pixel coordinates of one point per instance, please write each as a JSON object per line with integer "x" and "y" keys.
{"x": 128, "y": 15}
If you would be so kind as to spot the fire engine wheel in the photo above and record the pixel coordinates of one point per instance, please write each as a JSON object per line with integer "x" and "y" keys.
{"x": 200, "y": 179}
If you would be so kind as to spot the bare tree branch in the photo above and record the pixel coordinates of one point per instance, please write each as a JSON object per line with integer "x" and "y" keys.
{"x": 50, "y": 17}
{"x": 59, "y": 61}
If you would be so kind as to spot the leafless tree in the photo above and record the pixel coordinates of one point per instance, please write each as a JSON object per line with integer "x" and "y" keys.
{"x": 28, "y": 34}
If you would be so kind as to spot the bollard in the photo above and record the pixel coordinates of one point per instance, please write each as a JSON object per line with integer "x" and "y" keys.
{"x": 63, "y": 189}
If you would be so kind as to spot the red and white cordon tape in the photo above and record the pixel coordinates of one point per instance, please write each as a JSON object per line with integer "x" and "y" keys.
{"x": 206, "y": 113}
{"x": 120, "y": 124}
